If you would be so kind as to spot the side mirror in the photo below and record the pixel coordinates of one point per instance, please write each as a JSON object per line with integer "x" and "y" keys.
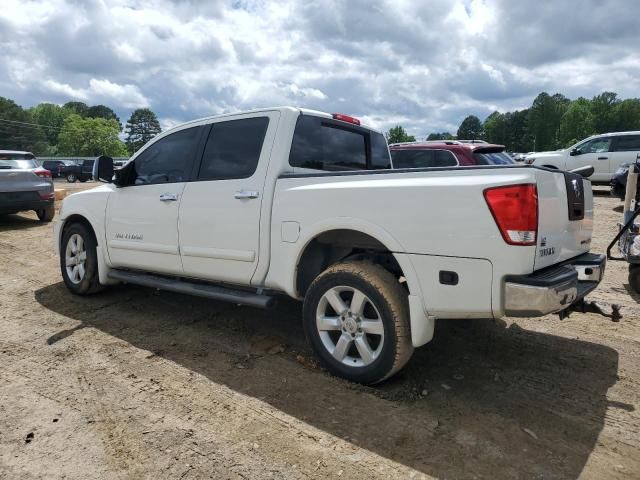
{"x": 103, "y": 169}
{"x": 574, "y": 152}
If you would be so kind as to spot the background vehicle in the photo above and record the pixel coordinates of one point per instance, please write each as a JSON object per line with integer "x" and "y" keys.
{"x": 74, "y": 172}
{"x": 618, "y": 182}
{"x": 448, "y": 153}
{"x": 25, "y": 186}
{"x": 239, "y": 207}
{"x": 54, "y": 166}
{"x": 605, "y": 153}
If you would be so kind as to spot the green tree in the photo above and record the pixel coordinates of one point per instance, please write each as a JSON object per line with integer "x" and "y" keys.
{"x": 470, "y": 128}
{"x": 141, "y": 127}
{"x": 603, "y": 108}
{"x": 398, "y": 134}
{"x": 79, "y": 108}
{"x": 18, "y": 130}
{"x": 544, "y": 120}
{"x": 90, "y": 137}
{"x": 440, "y": 136}
{"x": 496, "y": 128}
{"x": 518, "y": 138}
{"x": 51, "y": 118}
{"x": 102, "y": 111}
{"x": 577, "y": 122}
{"x": 627, "y": 115}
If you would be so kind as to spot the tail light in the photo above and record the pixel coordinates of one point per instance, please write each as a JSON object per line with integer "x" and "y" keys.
{"x": 42, "y": 173}
{"x": 47, "y": 195}
{"x": 515, "y": 210}
{"x": 346, "y": 118}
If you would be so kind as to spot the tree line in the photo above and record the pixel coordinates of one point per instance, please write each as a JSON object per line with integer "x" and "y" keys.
{"x": 550, "y": 123}
{"x": 73, "y": 129}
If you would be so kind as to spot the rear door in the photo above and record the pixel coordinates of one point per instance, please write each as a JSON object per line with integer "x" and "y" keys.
{"x": 142, "y": 218}
{"x": 219, "y": 220}
{"x": 624, "y": 149}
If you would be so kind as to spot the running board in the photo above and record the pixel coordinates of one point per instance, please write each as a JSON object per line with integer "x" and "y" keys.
{"x": 191, "y": 288}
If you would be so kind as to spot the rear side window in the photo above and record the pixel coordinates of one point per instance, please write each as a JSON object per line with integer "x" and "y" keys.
{"x": 423, "y": 158}
{"x": 493, "y": 158}
{"x": 168, "y": 160}
{"x": 233, "y": 149}
{"x": 324, "y": 145}
{"x": 380, "y": 158}
{"x": 627, "y": 143}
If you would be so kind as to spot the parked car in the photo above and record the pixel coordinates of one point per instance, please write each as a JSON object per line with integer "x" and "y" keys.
{"x": 605, "y": 153}
{"x": 74, "y": 172}
{"x": 285, "y": 200}
{"x": 54, "y": 166}
{"x": 618, "y": 181}
{"x": 25, "y": 186}
{"x": 447, "y": 153}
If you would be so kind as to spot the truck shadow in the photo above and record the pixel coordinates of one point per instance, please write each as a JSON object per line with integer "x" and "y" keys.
{"x": 481, "y": 400}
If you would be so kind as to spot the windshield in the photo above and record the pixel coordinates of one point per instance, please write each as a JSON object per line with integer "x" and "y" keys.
{"x": 493, "y": 158}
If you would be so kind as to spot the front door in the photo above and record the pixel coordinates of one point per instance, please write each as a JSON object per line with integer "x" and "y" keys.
{"x": 219, "y": 219}
{"x": 142, "y": 217}
{"x": 595, "y": 153}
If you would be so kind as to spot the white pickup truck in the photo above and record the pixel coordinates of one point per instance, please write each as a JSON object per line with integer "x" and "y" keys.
{"x": 242, "y": 207}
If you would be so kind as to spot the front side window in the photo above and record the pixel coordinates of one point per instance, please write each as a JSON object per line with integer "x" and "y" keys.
{"x": 627, "y": 143}
{"x": 411, "y": 158}
{"x": 233, "y": 149}
{"x": 168, "y": 160}
{"x": 322, "y": 145}
{"x": 597, "y": 145}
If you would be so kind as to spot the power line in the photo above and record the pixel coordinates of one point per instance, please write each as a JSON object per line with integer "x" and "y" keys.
{"x": 18, "y": 124}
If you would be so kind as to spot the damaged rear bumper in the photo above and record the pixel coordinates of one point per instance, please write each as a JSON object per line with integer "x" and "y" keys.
{"x": 555, "y": 288}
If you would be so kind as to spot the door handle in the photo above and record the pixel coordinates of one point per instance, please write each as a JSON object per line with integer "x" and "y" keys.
{"x": 168, "y": 197}
{"x": 246, "y": 194}
{"x": 603, "y": 158}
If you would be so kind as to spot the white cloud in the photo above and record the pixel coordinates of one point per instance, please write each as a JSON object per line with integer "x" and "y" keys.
{"x": 424, "y": 65}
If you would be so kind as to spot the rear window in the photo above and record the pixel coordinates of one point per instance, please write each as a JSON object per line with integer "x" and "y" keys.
{"x": 320, "y": 144}
{"x": 493, "y": 158}
{"x": 423, "y": 158}
{"x": 17, "y": 161}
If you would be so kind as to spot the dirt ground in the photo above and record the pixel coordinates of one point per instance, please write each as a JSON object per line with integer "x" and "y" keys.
{"x": 133, "y": 383}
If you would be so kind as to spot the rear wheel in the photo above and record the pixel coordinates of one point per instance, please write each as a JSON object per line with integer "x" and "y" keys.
{"x": 356, "y": 318}
{"x": 83, "y": 179}
{"x": 79, "y": 260}
{"x": 634, "y": 277}
{"x": 71, "y": 177}
{"x": 46, "y": 214}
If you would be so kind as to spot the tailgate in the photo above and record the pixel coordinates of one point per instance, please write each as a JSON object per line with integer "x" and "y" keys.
{"x": 565, "y": 217}
{"x": 19, "y": 180}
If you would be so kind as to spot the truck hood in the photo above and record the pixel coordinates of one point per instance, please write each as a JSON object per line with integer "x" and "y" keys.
{"x": 554, "y": 154}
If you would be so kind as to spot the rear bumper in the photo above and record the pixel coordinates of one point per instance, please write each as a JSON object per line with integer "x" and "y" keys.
{"x": 17, "y": 204}
{"x": 555, "y": 288}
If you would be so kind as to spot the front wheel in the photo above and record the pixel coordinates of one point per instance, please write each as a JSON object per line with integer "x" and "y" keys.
{"x": 356, "y": 318}
{"x": 79, "y": 260}
{"x": 71, "y": 177}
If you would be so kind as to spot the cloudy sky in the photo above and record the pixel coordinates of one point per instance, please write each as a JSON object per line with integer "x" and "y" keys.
{"x": 424, "y": 64}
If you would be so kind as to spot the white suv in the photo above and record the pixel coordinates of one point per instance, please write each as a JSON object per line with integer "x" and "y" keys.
{"x": 604, "y": 152}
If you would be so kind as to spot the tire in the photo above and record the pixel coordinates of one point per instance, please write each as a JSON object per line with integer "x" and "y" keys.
{"x": 72, "y": 177}
{"x": 46, "y": 214}
{"x": 338, "y": 340}
{"x": 82, "y": 281}
{"x": 634, "y": 277}
{"x": 83, "y": 179}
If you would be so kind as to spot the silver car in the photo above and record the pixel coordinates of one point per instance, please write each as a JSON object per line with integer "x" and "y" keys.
{"x": 25, "y": 186}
